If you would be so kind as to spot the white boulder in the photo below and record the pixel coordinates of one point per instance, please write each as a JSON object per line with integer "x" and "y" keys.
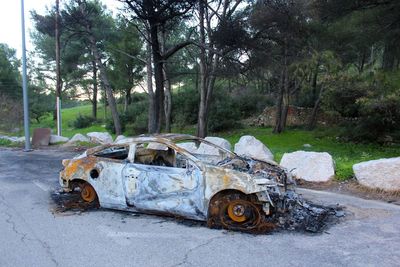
{"x": 13, "y": 139}
{"x": 123, "y": 140}
{"x": 210, "y": 150}
{"x": 119, "y": 138}
{"x": 100, "y": 137}
{"x": 78, "y": 138}
{"x": 189, "y": 146}
{"x": 382, "y": 173}
{"x": 54, "y": 139}
{"x": 20, "y": 139}
{"x": 309, "y": 166}
{"x": 251, "y": 147}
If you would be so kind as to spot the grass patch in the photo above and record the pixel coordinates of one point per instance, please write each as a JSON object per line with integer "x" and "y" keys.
{"x": 68, "y": 115}
{"x": 8, "y": 143}
{"x": 344, "y": 154}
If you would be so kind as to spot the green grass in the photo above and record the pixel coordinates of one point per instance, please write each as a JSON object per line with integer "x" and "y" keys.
{"x": 8, "y": 143}
{"x": 68, "y": 116}
{"x": 345, "y": 154}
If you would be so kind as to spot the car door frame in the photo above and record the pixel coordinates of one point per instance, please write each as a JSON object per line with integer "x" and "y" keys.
{"x": 148, "y": 195}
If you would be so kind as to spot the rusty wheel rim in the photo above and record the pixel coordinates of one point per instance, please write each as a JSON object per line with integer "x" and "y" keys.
{"x": 237, "y": 211}
{"x": 87, "y": 193}
{"x": 240, "y": 214}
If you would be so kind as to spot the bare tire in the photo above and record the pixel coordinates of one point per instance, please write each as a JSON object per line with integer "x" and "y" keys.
{"x": 235, "y": 211}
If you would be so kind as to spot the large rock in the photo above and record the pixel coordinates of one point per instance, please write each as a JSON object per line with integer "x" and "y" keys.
{"x": 251, "y": 147}
{"x": 309, "y": 166}
{"x": 21, "y": 139}
{"x": 189, "y": 146}
{"x": 209, "y": 150}
{"x": 119, "y": 138}
{"x": 78, "y": 138}
{"x": 382, "y": 173}
{"x": 56, "y": 139}
{"x": 100, "y": 137}
{"x": 9, "y": 138}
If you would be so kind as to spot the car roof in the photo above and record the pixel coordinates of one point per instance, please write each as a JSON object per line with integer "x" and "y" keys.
{"x": 169, "y": 138}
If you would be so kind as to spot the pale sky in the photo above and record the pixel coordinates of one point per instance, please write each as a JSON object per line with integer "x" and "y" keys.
{"x": 10, "y": 19}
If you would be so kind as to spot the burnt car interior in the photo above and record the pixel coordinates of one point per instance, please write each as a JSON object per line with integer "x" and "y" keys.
{"x": 157, "y": 154}
{"x": 115, "y": 152}
{"x": 154, "y": 154}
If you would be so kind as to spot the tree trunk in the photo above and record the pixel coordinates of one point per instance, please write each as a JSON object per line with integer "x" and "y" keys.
{"x": 283, "y": 101}
{"x": 388, "y": 56}
{"x": 106, "y": 84}
{"x": 279, "y": 103}
{"x": 313, "y": 119}
{"x": 167, "y": 87}
{"x": 202, "y": 117}
{"x": 158, "y": 77}
{"x": 95, "y": 89}
{"x": 168, "y": 101}
{"x": 151, "y": 126}
{"x": 128, "y": 99}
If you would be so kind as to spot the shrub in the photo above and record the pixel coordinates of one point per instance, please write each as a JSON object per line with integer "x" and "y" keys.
{"x": 185, "y": 107}
{"x": 371, "y": 107}
{"x": 224, "y": 115}
{"x": 134, "y": 120}
{"x": 83, "y": 121}
{"x": 139, "y": 126}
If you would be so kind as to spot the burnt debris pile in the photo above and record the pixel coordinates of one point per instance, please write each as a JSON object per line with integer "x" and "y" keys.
{"x": 294, "y": 213}
{"x": 72, "y": 201}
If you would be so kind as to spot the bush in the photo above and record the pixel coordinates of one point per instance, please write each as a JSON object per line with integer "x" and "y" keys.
{"x": 134, "y": 120}
{"x": 185, "y": 107}
{"x": 139, "y": 126}
{"x": 224, "y": 115}
{"x": 371, "y": 108}
{"x": 110, "y": 123}
{"x": 83, "y": 121}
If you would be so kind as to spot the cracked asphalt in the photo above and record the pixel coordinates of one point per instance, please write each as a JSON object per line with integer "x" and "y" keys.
{"x": 32, "y": 234}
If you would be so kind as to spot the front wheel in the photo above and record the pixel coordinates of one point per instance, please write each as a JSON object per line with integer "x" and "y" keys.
{"x": 236, "y": 211}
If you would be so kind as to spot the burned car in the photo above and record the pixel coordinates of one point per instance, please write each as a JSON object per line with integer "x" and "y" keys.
{"x": 163, "y": 174}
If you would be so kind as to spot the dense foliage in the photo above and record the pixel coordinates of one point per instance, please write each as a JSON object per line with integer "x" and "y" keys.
{"x": 213, "y": 65}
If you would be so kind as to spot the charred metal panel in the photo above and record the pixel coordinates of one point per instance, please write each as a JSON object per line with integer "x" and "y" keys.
{"x": 165, "y": 189}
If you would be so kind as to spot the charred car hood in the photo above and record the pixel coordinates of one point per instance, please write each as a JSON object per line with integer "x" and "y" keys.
{"x": 269, "y": 172}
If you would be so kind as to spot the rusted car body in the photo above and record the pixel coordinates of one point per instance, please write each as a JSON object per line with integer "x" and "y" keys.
{"x": 156, "y": 174}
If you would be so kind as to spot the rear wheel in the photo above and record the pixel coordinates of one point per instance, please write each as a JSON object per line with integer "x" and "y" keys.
{"x": 88, "y": 194}
{"x": 235, "y": 211}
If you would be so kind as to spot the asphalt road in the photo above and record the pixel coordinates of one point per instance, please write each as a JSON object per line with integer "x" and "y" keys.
{"x": 33, "y": 235}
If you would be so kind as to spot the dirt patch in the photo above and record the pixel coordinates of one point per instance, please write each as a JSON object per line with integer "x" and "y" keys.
{"x": 353, "y": 188}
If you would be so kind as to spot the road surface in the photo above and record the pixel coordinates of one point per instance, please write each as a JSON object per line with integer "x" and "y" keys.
{"x": 33, "y": 235}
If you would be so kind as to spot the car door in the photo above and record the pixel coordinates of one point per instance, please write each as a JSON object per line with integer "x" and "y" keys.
{"x": 162, "y": 189}
{"x": 105, "y": 177}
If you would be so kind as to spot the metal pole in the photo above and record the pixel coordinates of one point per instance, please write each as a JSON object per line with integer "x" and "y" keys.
{"x": 58, "y": 71}
{"x": 24, "y": 82}
{"x": 59, "y": 116}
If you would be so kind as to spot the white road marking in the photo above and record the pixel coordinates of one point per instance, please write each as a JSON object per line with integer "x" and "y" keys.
{"x": 42, "y": 186}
